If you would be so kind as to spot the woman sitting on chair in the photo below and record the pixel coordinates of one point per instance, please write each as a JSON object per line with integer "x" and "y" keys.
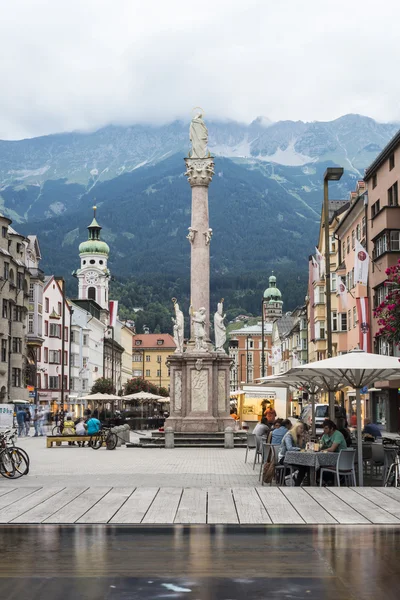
{"x": 293, "y": 441}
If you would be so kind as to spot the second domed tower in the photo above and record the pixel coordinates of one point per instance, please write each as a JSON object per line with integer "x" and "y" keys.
{"x": 272, "y": 301}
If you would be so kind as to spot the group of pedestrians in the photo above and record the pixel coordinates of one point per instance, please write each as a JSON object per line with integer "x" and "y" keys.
{"x": 87, "y": 425}
{"x": 24, "y": 420}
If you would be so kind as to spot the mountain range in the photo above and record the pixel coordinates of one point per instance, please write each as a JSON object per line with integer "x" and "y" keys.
{"x": 265, "y": 198}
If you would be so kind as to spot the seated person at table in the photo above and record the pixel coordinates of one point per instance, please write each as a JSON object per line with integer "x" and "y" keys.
{"x": 293, "y": 441}
{"x": 281, "y": 427}
{"x": 332, "y": 440}
{"x": 371, "y": 428}
{"x": 260, "y": 431}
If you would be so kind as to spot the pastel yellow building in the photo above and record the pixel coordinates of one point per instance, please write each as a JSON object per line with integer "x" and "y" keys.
{"x": 150, "y": 352}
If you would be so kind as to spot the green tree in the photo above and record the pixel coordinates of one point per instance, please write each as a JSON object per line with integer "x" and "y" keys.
{"x": 103, "y": 386}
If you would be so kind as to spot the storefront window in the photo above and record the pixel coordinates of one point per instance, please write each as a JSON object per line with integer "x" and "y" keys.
{"x": 380, "y": 410}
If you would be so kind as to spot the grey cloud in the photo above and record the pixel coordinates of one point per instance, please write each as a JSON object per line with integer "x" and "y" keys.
{"x": 70, "y": 64}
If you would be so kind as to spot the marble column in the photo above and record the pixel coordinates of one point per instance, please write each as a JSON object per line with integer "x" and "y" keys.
{"x": 199, "y": 173}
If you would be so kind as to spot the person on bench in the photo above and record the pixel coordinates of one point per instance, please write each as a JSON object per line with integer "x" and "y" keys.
{"x": 80, "y": 429}
{"x": 69, "y": 428}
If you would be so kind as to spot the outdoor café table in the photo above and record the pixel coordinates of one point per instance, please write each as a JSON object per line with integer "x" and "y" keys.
{"x": 313, "y": 460}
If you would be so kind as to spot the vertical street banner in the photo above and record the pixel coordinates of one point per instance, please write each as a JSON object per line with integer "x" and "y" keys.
{"x": 321, "y": 263}
{"x": 315, "y": 270}
{"x": 342, "y": 291}
{"x": 361, "y": 264}
{"x": 311, "y": 298}
{"x": 276, "y": 354}
{"x": 113, "y": 308}
{"x": 364, "y": 326}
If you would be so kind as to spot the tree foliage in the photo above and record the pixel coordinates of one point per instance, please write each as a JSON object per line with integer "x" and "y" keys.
{"x": 388, "y": 312}
{"x": 138, "y": 384}
{"x": 103, "y": 386}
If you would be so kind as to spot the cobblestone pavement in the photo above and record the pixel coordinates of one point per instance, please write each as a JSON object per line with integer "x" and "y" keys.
{"x": 180, "y": 467}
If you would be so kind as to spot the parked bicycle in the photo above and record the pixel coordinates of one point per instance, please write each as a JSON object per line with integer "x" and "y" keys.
{"x": 14, "y": 461}
{"x": 393, "y": 475}
{"x": 104, "y": 436}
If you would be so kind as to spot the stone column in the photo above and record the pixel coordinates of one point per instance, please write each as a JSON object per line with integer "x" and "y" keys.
{"x": 199, "y": 173}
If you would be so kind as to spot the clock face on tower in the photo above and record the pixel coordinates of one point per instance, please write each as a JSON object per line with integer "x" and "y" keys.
{"x": 91, "y": 277}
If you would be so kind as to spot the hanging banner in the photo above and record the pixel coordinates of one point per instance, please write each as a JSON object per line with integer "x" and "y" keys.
{"x": 113, "y": 308}
{"x": 364, "y": 327}
{"x": 315, "y": 270}
{"x": 276, "y": 354}
{"x": 361, "y": 264}
{"x": 321, "y": 263}
{"x": 342, "y": 291}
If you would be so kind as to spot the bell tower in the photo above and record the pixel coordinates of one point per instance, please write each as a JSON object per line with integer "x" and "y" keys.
{"x": 93, "y": 275}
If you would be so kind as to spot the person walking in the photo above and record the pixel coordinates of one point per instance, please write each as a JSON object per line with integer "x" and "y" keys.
{"x": 21, "y": 422}
{"x": 36, "y": 422}
{"x": 27, "y": 422}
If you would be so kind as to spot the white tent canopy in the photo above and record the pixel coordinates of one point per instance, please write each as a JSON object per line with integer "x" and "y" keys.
{"x": 143, "y": 396}
{"x": 101, "y": 397}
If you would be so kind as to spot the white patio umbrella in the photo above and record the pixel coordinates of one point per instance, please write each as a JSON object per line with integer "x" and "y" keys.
{"x": 142, "y": 396}
{"x": 101, "y": 397}
{"x": 357, "y": 369}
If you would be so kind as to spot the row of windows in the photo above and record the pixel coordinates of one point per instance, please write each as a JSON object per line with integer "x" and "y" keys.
{"x": 8, "y": 275}
{"x": 47, "y": 306}
{"x": 357, "y": 234}
{"x": 391, "y": 164}
{"x": 11, "y": 310}
{"x": 392, "y": 200}
{"x": 54, "y": 330}
{"x": 388, "y": 242}
{"x": 16, "y": 348}
{"x": 139, "y": 358}
{"x": 51, "y": 382}
{"x": 75, "y": 338}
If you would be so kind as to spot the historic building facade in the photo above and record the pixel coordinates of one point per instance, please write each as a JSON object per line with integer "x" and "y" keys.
{"x": 150, "y": 352}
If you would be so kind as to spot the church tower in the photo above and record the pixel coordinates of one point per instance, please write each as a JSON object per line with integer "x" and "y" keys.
{"x": 93, "y": 276}
{"x": 272, "y": 302}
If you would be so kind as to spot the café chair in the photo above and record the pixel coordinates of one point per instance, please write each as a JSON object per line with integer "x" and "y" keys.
{"x": 344, "y": 467}
{"x": 378, "y": 457}
{"x": 251, "y": 444}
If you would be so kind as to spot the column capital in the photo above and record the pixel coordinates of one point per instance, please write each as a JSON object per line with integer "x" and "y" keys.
{"x": 199, "y": 171}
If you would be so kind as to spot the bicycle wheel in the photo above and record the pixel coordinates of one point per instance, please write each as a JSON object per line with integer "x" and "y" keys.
{"x": 21, "y": 462}
{"x": 56, "y": 430}
{"x": 111, "y": 441}
{"x": 391, "y": 477}
{"x": 96, "y": 442}
{"x": 7, "y": 468}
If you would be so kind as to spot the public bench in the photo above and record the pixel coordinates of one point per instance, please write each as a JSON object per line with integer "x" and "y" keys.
{"x": 58, "y": 439}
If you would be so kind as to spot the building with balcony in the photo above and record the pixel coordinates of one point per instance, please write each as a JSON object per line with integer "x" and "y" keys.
{"x": 150, "y": 352}
{"x": 383, "y": 239}
{"x": 15, "y": 370}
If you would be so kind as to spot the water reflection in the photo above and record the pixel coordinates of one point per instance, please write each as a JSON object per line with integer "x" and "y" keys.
{"x": 212, "y": 561}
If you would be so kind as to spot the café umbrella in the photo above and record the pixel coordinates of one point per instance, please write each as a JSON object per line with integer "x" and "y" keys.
{"x": 356, "y": 369}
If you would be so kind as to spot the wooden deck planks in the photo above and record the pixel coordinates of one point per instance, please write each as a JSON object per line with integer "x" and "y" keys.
{"x": 79, "y": 506}
{"x": 192, "y": 507}
{"x": 14, "y": 495}
{"x": 307, "y": 507}
{"x": 368, "y": 509}
{"x": 343, "y": 513}
{"x": 17, "y": 508}
{"x": 249, "y": 506}
{"x": 45, "y": 509}
{"x": 221, "y": 507}
{"x": 382, "y": 500}
{"x": 392, "y": 492}
{"x": 164, "y": 507}
{"x": 278, "y": 506}
{"x": 137, "y": 505}
{"x": 107, "y": 506}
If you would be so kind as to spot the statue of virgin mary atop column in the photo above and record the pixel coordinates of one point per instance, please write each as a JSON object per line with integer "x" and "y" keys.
{"x": 198, "y": 134}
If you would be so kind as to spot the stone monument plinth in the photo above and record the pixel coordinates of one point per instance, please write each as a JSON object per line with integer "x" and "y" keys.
{"x": 199, "y": 392}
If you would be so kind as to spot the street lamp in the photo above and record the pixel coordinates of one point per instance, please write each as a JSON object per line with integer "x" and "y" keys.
{"x": 331, "y": 174}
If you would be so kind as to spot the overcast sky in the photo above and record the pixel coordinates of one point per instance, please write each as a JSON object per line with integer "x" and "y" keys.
{"x": 81, "y": 64}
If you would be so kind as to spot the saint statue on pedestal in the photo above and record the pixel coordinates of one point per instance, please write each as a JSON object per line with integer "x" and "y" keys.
{"x": 178, "y": 322}
{"x": 199, "y": 328}
{"x": 219, "y": 327}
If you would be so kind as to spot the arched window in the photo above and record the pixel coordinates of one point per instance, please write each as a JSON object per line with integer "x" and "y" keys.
{"x": 92, "y": 293}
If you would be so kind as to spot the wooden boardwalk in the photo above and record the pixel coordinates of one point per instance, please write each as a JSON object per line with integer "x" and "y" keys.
{"x": 216, "y": 505}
